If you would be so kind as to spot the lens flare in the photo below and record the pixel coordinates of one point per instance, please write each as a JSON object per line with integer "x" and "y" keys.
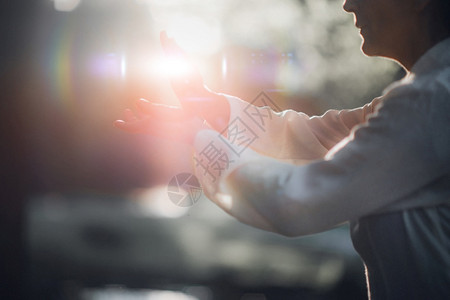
{"x": 193, "y": 33}
{"x": 60, "y": 67}
{"x": 162, "y": 66}
{"x": 171, "y": 66}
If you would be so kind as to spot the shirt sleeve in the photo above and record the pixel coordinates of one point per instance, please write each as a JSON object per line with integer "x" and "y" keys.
{"x": 385, "y": 159}
{"x": 290, "y": 134}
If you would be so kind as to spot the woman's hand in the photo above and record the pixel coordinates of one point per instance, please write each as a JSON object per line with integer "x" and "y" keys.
{"x": 195, "y": 98}
{"x": 163, "y": 121}
{"x": 200, "y": 107}
{"x": 188, "y": 85}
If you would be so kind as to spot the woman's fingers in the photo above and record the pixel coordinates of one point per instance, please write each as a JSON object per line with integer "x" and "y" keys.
{"x": 183, "y": 132}
{"x": 162, "y": 112}
{"x": 169, "y": 45}
{"x": 130, "y": 127}
{"x": 131, "y": 123}
{"x": 129, "y": 116}
{"x": 153, "y": 118}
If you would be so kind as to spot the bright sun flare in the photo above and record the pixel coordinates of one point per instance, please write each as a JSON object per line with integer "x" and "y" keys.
{"x": 171, "y": 66}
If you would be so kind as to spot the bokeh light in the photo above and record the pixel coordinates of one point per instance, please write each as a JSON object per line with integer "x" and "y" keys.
{"x": 170, "y": 66}
{"x": 155, "y": 202}
{"x": 66, "y": 5}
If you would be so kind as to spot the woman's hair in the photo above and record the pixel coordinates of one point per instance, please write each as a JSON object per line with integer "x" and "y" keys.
{"x": 443, "y": 7}
{"x": 440, "y": 18}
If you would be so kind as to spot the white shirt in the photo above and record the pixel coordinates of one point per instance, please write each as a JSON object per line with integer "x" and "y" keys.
{"x": 294, "y": 174}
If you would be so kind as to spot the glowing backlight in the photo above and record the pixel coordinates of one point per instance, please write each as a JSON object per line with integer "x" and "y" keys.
{"x": 195, "y": 35}
{"x": 162, "y": 66}
{"x": 171, "y": 66}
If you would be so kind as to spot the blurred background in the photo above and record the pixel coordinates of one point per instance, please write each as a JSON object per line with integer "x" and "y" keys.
{"x": 85, "y": 212}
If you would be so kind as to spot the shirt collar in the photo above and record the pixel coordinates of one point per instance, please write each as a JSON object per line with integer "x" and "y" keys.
{"x": 435, "y": 58}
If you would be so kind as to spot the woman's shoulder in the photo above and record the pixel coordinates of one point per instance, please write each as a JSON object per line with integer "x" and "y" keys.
{"x": 429, "y": 89}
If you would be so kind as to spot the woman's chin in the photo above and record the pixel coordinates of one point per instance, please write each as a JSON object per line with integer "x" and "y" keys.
{"x": 368, "y": 49}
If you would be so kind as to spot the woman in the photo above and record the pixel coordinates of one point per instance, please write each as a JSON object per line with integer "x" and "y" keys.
{"x": 384, "y": 167}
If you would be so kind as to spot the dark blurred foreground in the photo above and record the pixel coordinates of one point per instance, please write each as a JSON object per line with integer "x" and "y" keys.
{"x": 83, "y": 246}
